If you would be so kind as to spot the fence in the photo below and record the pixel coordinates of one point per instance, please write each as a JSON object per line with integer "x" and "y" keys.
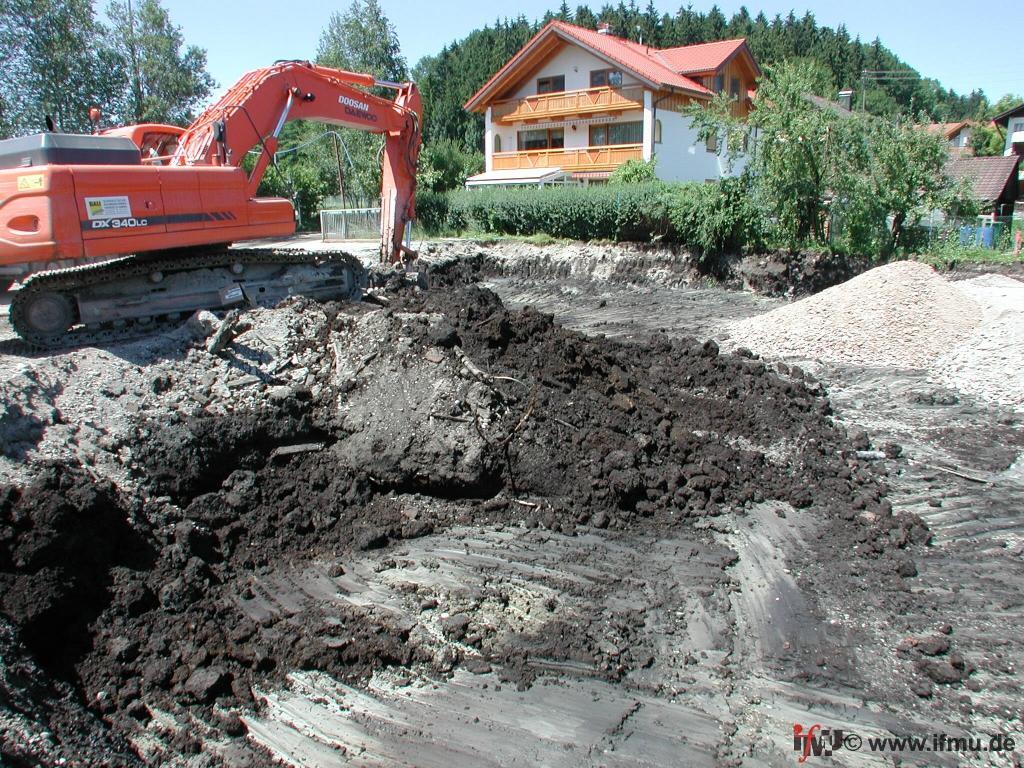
{"x": 987, "y": 233}
{"x": 350, "y": 224}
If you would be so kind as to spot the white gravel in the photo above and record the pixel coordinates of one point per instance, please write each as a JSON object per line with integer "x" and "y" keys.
{"x": 968, "y": 335}
{"x": 899, "y": 315}
{"x": 990, "y": 364}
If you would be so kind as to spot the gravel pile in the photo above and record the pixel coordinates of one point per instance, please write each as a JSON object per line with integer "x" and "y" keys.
{"x": 902, "y": 315}
{"x": 990, "y": 364}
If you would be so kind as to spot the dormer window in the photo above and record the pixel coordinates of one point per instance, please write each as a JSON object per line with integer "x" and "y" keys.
{"x": 551, "y": 84}
{"x": 600, "y": 78}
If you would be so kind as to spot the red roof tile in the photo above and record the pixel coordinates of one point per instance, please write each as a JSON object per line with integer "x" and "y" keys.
{"x": 663, "y": 68}
{"x": 705, "y": 57}
{"x": 639, "y": 59}
{"x": 946, "y": 130}
{"x": 988, "y": 176}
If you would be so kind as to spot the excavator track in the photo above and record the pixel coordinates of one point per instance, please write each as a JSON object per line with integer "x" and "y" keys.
{"x": 130, "y": 296}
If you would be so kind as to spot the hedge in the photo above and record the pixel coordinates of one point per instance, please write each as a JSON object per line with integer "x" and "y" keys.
{"x": 711, "y": 218}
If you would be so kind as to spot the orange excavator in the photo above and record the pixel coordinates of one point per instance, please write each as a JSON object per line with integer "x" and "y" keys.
{"x": 129, "y": 228}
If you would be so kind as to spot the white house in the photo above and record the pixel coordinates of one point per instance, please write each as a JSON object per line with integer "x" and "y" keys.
{"x": 573, "y": 104}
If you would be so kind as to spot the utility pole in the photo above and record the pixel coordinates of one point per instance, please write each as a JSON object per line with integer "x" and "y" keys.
{"x": 341, "y": 177}
{"x": 136, "y": 75}
{"x": 879, "y": 75}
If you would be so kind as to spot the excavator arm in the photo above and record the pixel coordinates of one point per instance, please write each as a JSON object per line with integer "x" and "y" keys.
{"x": 253, "y": 112}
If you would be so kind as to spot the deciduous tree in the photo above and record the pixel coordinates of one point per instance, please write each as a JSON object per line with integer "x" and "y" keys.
{"x": 164, "y": 81}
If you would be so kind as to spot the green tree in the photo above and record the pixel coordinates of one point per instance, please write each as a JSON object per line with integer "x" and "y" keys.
{"x": 859, "y": 181}
{"x": 360, "y": 39}
{"x": 986, "y": 140}
{"x": 444, "y": 165}
{"x": 56, "y": 62}
{"x": 165, "y": 81}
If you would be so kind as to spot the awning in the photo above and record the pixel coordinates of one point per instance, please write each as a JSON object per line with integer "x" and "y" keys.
{"x": 591, "y": 175}
{"x": 519, "y": 176}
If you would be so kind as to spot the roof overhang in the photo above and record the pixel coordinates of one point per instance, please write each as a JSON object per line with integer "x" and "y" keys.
{"x": 1004, "y": 117}
{"x": 534, "y": 52}
{"x": 743, "y": 46}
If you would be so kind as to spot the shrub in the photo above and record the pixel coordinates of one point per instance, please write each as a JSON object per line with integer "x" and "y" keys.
{"x": 708, "y": 218}
{"x": 633, "y": 212}
{"x": 634, "y": 172}
{"x": 717, "y": 218}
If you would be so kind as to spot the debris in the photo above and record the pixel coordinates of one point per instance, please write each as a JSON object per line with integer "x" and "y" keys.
{"x": 225, "y": 333}
{"x": 291, "y": 450}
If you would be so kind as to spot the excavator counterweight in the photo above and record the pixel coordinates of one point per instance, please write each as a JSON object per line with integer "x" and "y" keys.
{"x": 132, "y": 225}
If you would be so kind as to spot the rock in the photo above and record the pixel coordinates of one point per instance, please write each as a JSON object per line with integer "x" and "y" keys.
{"x": 921, "y": 688}
{"x": 941, "y": 672}
{"x": 202, "y": 324}
{"x": 280, "y": 393}
{"x": 371, "y": 538}
{"x": 455, "y": 626}
{"x": 207, "y": 683}
{"x": 933, "y": 645}
{"x": 906, "y": 568}
{"x": 477, "y": 666}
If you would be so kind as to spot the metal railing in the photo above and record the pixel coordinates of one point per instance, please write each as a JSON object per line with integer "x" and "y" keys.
{"x": 350, "y": 224}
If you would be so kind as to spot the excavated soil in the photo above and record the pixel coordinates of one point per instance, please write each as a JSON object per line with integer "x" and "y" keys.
{"x": 442, "y": 411}
{"x": 439, "y": 531}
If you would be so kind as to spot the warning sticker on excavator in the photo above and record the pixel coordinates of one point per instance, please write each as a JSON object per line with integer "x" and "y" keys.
{"x": 108, "y": 207}
{"x": 28, "y": 183}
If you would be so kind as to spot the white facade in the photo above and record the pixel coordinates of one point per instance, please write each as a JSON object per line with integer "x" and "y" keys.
{"x": 680, "y": 155}
{"x": 1014, "y": 134}
{"x": 576, "y": 65}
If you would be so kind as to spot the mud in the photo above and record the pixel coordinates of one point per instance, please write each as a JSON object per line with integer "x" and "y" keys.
{"x": 162, "y": 602}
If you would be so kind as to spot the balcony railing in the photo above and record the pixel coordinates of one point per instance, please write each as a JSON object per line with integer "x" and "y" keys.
{"x": 579, "y": 159}
{"x": 586, "y": 102}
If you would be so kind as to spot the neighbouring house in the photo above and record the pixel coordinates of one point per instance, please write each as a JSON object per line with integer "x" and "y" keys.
{"x": 993, "y": 181}
{"x": 574, "y": 104}
{"x": 957, "y": 136}
{"x": 1012, "y": 123}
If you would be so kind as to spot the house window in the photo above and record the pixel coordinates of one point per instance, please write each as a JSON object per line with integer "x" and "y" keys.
{"x": 719, "y": 84}
{"x": 553, "y": 138}
{"x": 600, "y": 78}
{"x": 607, "y": 134}
{"x": 657, "y": 131}
{"x": 734, "y": 87}
{"x": 711, "y": 143}
{"x": 552, "y": 84}
{"x": 497, "y": 142}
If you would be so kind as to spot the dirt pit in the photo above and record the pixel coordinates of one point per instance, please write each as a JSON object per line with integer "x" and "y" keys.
{"x": 155, "y": 573}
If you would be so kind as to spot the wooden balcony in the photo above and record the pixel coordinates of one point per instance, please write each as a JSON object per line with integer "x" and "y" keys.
{"x": 556, "y": 105}
{"x": 579, "y": 159}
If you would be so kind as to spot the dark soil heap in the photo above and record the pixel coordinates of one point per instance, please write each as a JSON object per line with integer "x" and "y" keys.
{"x": 140, "y": 601}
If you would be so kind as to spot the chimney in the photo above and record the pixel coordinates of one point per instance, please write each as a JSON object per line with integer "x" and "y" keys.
{"x": 845, "y": 98}
{"x": 604, "y": 28}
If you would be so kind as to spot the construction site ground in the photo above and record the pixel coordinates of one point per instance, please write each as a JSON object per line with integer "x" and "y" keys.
{"x": 540, "y": 514}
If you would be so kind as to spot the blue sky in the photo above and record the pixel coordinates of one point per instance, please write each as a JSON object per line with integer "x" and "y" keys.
{"x": 951, "y": 41}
